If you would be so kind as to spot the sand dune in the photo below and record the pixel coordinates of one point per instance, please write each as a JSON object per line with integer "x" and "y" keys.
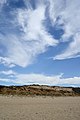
{"x": 40, "y": 90}
{"x": 39, "y": 108}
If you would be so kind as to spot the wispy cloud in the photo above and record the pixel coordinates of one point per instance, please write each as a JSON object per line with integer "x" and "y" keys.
{"x": 72, "y": 51}
{"x": 31, "y": 39}
{"x": 9, "y": 72}
{"x": 70, "y": 17}
{"x": 23, "y": 34}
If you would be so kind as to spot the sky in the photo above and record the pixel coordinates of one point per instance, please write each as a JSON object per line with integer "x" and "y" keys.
{"x": 40, "y": 42}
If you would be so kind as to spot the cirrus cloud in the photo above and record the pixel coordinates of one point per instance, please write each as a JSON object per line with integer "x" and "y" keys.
{"x": 70, "y": 17}
{"x": 26, "y": 37}
{"x": 23, "y": 33}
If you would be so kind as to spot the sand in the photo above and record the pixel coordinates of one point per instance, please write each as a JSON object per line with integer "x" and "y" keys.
{"x": 39, "y": 108}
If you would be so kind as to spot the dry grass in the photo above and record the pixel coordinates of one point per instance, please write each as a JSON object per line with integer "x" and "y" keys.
{"x": 39, "y": 90}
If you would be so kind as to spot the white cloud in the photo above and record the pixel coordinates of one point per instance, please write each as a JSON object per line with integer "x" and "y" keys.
{"x": 56, "y": 7}
{"x": 25, "y": 79}
{"x": 45, "y": 79}
{"x": 9, "y": 72}
{"x": 36, "y": 79}
{"x": 21, "y": 52}
{"x": 70, "y": 16}
{"x": 22, "y": 49}
{"x": 72, "y": 51}
{"x": 5, "y": 80}
{"x": 67, "y": 11}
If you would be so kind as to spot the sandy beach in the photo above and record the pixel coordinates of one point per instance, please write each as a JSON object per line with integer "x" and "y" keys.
{"x": 39, "y": 108}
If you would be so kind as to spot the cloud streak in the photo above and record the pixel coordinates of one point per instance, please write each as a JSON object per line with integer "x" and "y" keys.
{"x": 72, "y": 51}
{"x": 26, "y": 40}
{"x": 25, "y": 79}
{"x": 70, "y": 18}
{"x": 9, "y": 72}
{"x": 23, "y": 33}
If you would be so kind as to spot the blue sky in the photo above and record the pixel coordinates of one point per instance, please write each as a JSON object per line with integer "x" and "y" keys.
{"x": 40, "y": 42}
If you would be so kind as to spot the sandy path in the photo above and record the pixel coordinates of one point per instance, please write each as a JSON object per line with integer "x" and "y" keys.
{"x": 39, "y": 108}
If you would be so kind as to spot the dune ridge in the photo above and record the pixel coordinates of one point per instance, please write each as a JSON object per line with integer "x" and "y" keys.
{"x": 42, "y": 90}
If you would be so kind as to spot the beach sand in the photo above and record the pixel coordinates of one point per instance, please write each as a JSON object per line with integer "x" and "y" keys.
{"x": 39, "y": 108}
